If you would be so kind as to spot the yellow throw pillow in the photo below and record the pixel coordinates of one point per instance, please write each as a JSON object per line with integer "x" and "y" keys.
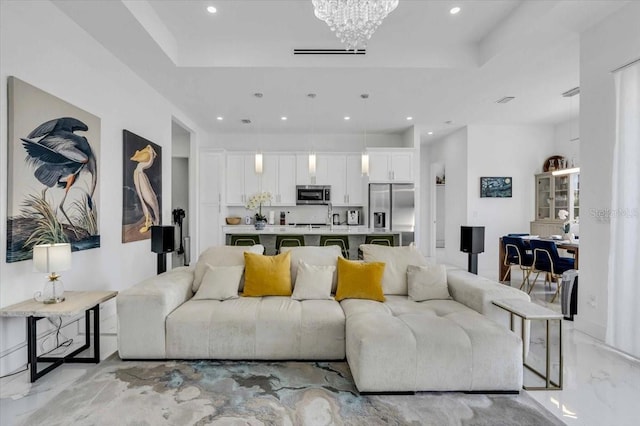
{"x": 358, "y": 280}
{"x": 267, "y": 275}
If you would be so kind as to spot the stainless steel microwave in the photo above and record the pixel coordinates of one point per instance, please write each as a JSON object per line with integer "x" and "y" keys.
{"x": 313, "y": 194}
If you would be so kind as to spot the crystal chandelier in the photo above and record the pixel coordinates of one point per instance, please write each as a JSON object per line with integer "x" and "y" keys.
{"x": 354, "y": 21}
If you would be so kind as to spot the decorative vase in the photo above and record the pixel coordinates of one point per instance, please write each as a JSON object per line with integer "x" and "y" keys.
{"x": 260, "y": 224}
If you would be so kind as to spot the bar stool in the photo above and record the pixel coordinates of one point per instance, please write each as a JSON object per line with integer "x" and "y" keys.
{"x": 244, "y": 240}
{"x": 382, "y": 240}
{"x": 336, "y": 240}
{"x": 289, "y": 241}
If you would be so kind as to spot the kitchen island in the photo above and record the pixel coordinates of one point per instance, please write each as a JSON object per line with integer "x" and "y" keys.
{"x": 311, "y": 234}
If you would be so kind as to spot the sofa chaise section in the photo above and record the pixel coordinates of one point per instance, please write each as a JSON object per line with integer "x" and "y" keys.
{"x": 439, "y": 345}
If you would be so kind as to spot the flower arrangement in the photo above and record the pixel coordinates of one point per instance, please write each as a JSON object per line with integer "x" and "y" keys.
{"x": 255, "y": 203}
{"x": 564, "y": 215}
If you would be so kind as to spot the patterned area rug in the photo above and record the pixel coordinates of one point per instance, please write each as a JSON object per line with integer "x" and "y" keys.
{"x": 265, "y": 393}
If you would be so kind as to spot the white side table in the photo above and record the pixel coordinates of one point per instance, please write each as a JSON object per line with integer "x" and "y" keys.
{"x": 76, "y": 303}
{"x": 528, "y": 311}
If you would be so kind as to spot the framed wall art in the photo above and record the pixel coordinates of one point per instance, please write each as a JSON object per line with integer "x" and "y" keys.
{"x": 142, "y": 187}
{"x": 53, "y": 191}
{"x": 496, "y": 187}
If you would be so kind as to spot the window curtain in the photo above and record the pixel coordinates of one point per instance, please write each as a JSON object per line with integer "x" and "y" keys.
{"x": 623, "y": 325}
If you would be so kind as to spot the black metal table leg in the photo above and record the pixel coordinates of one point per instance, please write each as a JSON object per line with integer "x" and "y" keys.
{"x": 56, "y": 361}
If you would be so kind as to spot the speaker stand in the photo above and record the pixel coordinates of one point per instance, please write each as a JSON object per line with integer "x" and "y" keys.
{"x": 162, "y": 263}
{"x": 473, "y": 263}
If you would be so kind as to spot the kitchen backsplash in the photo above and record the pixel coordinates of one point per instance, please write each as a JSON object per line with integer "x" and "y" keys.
{"x": 299, "y": 214}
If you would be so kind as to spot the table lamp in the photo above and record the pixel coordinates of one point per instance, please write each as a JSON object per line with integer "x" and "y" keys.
{"x": 52, "y": 258}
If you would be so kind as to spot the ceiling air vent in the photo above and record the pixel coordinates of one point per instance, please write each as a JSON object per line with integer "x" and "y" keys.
{"x": 329, "y": 52}
{"x": 571, "y": 92}
{"x": 505, "y": 99}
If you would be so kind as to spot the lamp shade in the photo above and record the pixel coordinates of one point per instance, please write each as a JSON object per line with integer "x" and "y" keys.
{"x": 52, "y": 257}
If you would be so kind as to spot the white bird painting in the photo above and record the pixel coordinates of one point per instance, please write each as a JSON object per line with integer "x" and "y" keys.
{"x": 147, "y": 196}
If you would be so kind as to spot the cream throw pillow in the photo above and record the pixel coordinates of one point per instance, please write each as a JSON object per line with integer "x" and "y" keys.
{"x": 321, "y": 256}
{"x": 313, "y": 282}
{"x": 427, "y": 283}
{"x": 394, "y": 280}
{"x": 220, "y": 283}
{"x": 222, "y": 256}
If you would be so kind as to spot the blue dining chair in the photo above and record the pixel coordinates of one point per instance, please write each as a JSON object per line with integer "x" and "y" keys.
{"x": 546, "y": 259}
{"x": 517, "y": 253}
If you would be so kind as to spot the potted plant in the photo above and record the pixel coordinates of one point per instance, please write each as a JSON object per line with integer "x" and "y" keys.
{"x": 255, "y": 203}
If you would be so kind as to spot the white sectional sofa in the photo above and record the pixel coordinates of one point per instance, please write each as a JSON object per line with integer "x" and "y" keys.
{"x": 399, "y": 345}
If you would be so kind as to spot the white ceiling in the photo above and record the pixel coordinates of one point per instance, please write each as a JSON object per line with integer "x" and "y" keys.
{"x": 421, "y": 62}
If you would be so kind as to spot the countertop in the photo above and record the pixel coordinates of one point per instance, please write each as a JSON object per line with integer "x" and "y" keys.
{"x": 315, "y": 230}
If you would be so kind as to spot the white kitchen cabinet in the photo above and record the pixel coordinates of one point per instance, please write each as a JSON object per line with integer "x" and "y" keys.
{"x": 209, "y": 201}
{"x": 302, "y": 170}
{"x": 391, "y": 166}
{"x": 355, "y": 180}
{"x": 241, "y": 179}
{"x": 279, "y": 178}
{"x": 344, "y": 174}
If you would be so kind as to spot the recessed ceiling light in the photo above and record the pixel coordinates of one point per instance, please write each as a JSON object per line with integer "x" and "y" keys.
{"x": 347, "y": 118}
{"x": 283, "y": 118}
{"x": 430, "y": 133}
{"x": 455, "y": 10}
{"x": 219, "y": 118}
{"x": 409, "y": 118}
{"x": 211, "y": 9}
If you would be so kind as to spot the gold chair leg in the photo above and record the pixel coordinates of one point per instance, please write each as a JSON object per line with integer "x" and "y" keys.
{"x": 506, "y": 273}
{"x": 534, "y": 283}
{"x": 557, "y": 292}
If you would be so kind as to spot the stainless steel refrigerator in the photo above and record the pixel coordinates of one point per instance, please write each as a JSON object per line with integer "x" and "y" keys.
{"x": 392, "y": 208}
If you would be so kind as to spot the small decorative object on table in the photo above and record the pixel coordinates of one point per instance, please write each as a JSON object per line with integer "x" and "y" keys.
{"x": 233, "y": 220}
{"x": 566, "y": 226}
{"x": 255, "y": 203}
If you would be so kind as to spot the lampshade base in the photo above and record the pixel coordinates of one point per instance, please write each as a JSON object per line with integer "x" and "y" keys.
{"x": 53, "y": 292}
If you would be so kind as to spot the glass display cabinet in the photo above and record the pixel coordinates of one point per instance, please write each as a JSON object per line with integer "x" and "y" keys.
{"x": 555, "y": 193}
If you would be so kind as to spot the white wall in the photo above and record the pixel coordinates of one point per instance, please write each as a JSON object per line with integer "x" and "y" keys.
{"x": 302, "y": 142}
{"x": 515, "y": 151}
{"x": 608, "y": 45}
{"x": 41, "y": 46}
{"x": 563, "y": 133}
{"x": 450, "y": 151}
{"x": 476, "y": 151}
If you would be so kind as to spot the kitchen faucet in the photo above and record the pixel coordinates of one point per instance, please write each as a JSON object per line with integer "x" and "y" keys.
{"x": 330, "y": 214}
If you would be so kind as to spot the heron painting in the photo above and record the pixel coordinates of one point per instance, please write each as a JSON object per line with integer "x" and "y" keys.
{"x": 142, "y": 192}
{"x": 53, "y": 172}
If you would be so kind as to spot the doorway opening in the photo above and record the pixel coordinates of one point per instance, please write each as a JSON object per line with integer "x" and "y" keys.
{"x": 180, "y": 162}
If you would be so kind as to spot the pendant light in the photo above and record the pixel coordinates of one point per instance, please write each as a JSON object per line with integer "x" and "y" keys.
{"x": 312, "y": 153}
{"x": 258, "y": 155}
{"x": 364, "y": 166}
{"x": 258, "y": 162}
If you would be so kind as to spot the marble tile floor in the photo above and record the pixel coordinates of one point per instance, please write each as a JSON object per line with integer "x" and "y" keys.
{"x": 601, "y": 386}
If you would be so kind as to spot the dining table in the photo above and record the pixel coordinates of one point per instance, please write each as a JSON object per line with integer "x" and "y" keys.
{"x": 573, "y": 247}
